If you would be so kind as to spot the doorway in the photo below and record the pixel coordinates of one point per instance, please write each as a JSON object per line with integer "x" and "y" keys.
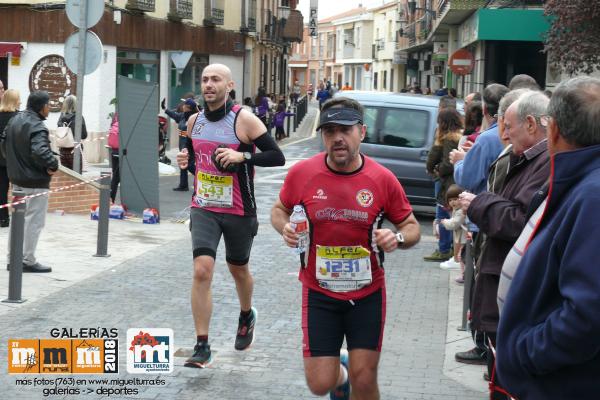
{"x": 4, "y": 71}
{"x": 505, "y": 59}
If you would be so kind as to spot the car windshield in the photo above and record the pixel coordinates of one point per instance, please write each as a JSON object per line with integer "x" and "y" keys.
{"x": 400, "y": 127}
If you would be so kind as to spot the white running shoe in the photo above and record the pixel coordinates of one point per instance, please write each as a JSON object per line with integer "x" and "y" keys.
{"x": 450, "y": 265}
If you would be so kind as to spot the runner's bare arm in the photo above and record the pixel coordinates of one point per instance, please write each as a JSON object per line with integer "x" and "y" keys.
{"x": 280, "y": 220}
{"x": 386, "y": 238}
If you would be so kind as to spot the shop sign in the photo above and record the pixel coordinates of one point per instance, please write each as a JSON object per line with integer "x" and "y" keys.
{"x": 51, "y": 74}
{"x": 440, "y": 51}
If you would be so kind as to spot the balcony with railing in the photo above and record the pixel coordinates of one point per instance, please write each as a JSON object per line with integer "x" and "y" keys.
{"x": 214, "y": 12}
{"x": 293, "y": 26}
{"x": 248, "y": 16}
{"x": 412, "y": 35}
{"x": 141, "y": 5}
{"x": 180, "y": 9}
{"x": 455, "y": 11}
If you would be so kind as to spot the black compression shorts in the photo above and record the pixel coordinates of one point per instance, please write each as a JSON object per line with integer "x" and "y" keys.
{"x": 238, "y": 232}
{"x": 325, "y": 322}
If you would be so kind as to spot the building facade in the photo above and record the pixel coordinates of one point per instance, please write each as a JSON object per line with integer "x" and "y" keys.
{"x": 500, "y": 39}
{"x": 388, "y": 74}
{"x": 163, "y": 42}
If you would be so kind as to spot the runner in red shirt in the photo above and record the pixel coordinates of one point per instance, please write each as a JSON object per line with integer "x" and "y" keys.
{"x": 346, "y": 196}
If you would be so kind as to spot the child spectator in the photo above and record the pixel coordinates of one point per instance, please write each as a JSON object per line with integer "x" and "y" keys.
{"x": 456, "y": 224}
{"x": 278, "y": 121}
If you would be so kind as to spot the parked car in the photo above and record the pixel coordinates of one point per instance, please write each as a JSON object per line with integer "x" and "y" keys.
{"x": 400, "y": 130}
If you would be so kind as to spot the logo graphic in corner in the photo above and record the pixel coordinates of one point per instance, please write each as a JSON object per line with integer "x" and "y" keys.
{"x": 150, "y": 350}
{"x": 23, "y": 356}
{"x": 320, "y": 195}
{"x": 55, "y": 356}
{"x": 364, "y": 197}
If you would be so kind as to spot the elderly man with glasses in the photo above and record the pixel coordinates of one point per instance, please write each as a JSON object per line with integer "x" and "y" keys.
{"x": 501, "y": 216}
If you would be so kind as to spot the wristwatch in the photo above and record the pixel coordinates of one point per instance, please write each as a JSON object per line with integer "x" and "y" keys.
{"x": 247, "y": 156}
{"x": 399, "y": 238}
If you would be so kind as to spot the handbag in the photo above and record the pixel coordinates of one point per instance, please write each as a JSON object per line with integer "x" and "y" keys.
{"x": 64, "y": 136}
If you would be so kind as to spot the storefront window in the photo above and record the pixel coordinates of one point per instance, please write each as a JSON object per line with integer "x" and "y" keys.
{"x": 189, "y": 80}
{"x": 138, "y": 65}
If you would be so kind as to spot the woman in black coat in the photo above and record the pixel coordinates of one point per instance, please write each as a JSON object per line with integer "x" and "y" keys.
{"x": 9, "y": 107}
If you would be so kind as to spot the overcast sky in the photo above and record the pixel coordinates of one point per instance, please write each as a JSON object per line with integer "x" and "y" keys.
{"x": 327, "y": 8}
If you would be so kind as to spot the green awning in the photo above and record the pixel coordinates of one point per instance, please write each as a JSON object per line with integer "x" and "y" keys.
{"x": 512, "y": 24}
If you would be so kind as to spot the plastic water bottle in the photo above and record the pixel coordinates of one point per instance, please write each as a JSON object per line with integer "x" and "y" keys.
{"x": 300, "y": 223}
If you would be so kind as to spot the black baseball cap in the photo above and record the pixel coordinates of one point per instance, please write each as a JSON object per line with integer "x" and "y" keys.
{"x": 340, "y": 116}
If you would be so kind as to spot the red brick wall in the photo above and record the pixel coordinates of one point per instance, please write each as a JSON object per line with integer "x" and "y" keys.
{"x": 76, "y": 200}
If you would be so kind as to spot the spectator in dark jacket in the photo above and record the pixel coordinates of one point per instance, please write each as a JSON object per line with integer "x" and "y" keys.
{"x": 31, "y": 164}
{"x": 548, "y": 345}
{"x": 67, "y": 118}
{"x": 502, "y": 216}
{"x": 188, "y": 108}
{"x": 323, "y": 95}
{"x": 9, "y": 107}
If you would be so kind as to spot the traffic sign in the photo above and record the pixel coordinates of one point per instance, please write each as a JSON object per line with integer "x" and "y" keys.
{"x": 94, "y": 12}
{"x": 93, "y": 52}
{"x": 461, "y": 62}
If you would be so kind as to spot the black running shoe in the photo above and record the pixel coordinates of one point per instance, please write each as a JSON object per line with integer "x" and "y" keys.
{"x": 245, "y": 333}
{"x": 202, "y": 356}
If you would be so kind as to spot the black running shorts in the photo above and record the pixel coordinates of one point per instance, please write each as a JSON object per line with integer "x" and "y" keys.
{"x": 325, "y": 322}
{"x": 238, "y": 232}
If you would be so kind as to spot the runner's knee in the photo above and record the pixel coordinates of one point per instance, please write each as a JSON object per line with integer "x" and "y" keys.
{"x": 320, "y": 385}
{"x": 203, "y": 269}
{"x": 239, "y": 271}
{"x": 364, "y": 380}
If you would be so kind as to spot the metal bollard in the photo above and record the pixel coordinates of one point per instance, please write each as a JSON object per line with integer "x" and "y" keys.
{"x": 17, "y": 233}
{"x": 296, "y": 120}
{"x": 469, "y": 273}
{"x": 102, "y": 242}
{"x": 288, "y": 126}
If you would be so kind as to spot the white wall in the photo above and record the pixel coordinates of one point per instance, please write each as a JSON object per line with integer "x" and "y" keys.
{"x": 99, "y": 86}
{"x": 236, "y": 64}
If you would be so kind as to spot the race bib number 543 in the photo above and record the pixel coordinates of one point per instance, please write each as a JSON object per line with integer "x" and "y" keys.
{"x": 214, "y": 190}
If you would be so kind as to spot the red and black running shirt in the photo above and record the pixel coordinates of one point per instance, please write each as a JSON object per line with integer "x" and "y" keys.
{"x": 344, "y": 209}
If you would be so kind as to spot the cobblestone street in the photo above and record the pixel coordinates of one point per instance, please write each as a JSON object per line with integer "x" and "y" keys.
{"x": 152, "y": 290}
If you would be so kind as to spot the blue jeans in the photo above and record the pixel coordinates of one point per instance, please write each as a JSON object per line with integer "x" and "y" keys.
{"x": 445, "y": 240}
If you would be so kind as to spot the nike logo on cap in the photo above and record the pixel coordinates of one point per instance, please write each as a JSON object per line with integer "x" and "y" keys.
{"x": 333, "y": 114}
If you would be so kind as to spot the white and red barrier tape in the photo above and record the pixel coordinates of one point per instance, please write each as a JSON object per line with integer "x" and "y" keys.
{"x": 88, "y": 140}
{"x": 24, "y": 199}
